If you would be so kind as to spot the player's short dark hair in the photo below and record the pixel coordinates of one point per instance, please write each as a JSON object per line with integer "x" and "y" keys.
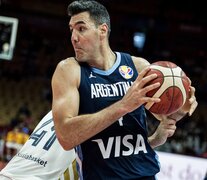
{"x": 96, "y": 11}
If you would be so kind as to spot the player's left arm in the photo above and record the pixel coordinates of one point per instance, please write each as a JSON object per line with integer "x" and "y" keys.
{"x": 167, "y": 124}
{"x": 165, "y": 129}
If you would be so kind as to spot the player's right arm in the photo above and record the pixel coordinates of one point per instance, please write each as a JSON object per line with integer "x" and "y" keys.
{"x": 73, "y": 129}
{"x": 65, "y": 103}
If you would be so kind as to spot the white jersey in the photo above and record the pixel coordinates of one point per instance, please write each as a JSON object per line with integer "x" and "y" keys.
{"x": 41, "y": 157}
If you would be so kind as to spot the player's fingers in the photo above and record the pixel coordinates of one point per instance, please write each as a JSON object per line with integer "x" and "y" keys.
{"x": 171, "y": 132}
{"x": 171, "y": 127}
{"x": 150, "y": 87}
{"x": 192, "y": 90}
{"x": 171, "y": 122}
{"x": 192, "y": 100}
{"x": 189, "y": 80}
{"x": 193, "y": 108}
{"x": 144, "y": 72}
{"x": 146, "y": 80}
{"x": 151, "y": 99}
{"x": 192, "y": 95}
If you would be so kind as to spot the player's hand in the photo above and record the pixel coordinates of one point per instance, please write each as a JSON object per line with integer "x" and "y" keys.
{"x": 188, "y": 108}
{"x": 191, "y": 103}
{"x": 165, "y": 129}
{"x": 136, "y": 94}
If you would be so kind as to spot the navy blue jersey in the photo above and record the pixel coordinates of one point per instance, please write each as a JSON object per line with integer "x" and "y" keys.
{"x": 120, "y": 151}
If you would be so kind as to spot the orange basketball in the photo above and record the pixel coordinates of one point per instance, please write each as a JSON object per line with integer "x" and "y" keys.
{"x": 173, "y": 89}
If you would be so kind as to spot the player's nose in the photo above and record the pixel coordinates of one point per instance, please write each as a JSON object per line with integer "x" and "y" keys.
{"x": 74, "y": 37}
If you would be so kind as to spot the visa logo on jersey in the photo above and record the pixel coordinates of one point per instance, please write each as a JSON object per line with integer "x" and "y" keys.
{"x": 126, "y": 72}
{"x": 120, "y": 143}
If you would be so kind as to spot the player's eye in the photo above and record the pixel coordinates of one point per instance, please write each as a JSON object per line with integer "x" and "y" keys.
{"x": 81, "y": 29}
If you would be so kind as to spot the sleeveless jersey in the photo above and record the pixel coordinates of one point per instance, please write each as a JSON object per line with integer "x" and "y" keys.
{"x": 120, "y": 151}
{"x": 42, "y": 157}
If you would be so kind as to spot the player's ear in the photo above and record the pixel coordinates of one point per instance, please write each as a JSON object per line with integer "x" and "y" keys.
{"x": 103, "y": 30}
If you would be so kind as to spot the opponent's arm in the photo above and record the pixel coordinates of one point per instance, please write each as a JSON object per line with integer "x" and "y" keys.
{"x": 73, "y": 129}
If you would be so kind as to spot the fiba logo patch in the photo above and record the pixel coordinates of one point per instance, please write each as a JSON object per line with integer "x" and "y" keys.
{"x": 126, "y": 72}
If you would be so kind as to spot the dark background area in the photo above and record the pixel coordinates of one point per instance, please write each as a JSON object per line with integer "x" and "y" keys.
{"x": 175, "y": 31}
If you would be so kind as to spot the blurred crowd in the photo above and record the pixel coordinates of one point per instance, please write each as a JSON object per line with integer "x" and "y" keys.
{"x": 36, "y": 55}
{"x": 16, "y": 133}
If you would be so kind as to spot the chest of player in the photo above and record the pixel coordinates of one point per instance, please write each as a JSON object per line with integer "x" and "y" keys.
{"x": 99, "y": 92}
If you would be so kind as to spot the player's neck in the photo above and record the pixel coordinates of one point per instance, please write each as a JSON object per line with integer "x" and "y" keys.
{"x": 109, "y": 60}
{"x": 105, "y": 60}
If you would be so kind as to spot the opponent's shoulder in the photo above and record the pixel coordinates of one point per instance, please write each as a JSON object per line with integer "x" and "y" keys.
{"x": 140, "y": 63}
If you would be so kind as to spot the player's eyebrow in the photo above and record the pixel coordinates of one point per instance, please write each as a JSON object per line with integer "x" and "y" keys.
{"x": 77, "y": 23}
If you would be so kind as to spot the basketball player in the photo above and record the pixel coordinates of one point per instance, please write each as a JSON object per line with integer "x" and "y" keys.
{"x": 98, "y": 98}
{"x": 42, "y": 157}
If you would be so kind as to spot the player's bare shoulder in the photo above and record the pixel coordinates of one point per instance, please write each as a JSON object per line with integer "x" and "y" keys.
{"x": 69, "y": 63}
{"x": 140, "y": 63}
{"x": 68, "y": 70}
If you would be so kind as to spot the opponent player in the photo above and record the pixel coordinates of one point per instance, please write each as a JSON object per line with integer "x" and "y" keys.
{"x": 42, "y": 157}
{"x": 98, "y": 98}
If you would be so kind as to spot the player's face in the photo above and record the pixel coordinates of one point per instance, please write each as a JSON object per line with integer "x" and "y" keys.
{"x": 84, "y": 36}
